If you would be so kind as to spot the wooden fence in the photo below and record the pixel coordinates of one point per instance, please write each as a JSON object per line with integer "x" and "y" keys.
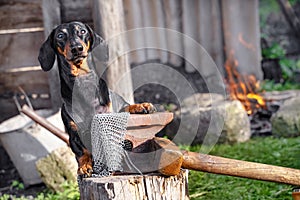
{"x": 223, "y": 27}
{"x": 21, "y": 33}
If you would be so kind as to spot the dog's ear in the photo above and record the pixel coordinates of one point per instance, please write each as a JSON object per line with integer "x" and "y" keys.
{"x": 95, "y": 38}
{"x": 47, "y": 53}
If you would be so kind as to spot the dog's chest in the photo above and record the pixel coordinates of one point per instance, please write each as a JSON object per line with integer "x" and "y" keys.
{"x": 86, "y": 96}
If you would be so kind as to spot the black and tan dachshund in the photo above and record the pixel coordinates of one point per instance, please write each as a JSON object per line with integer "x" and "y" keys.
{"x": 83, "y": 93}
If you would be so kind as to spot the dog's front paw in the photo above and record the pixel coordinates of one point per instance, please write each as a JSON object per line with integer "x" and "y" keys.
{"x": 143, "y": 108}
{"x": 85, "y": 163}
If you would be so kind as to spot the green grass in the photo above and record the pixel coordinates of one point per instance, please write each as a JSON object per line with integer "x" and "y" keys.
{"x": 275, "y": 151}
{"x": 70, "y": 192}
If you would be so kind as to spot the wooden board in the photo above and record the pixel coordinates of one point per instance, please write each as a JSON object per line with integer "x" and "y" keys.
{"x": 21, "y": 34}
{"x": 9, "y": 83}
{"x": 20, "y": 49}
{"x": 20, "y": 14}
{"x": 70, "y": 9}
{"x": 52, "y": 18}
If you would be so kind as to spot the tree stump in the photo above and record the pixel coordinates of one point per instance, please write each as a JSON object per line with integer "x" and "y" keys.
{"x": 149, "y": 155}
{"x": 150, "y": 186}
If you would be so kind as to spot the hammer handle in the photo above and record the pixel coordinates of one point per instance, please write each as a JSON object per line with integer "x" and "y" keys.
{"x": 45, "y": 123}
{"x": 232, "y": 167}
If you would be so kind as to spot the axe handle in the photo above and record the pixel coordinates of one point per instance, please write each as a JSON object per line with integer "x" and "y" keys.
{"x": 45, "y": 123}
{"x": 232, "y": 167}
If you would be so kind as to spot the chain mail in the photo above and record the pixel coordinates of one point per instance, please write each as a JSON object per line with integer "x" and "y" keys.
{"x": 107, "y": 137}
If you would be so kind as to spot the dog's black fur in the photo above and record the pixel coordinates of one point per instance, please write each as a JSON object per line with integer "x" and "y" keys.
{"x": 84, "y": 94}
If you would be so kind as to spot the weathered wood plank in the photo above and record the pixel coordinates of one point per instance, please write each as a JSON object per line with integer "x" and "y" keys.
{"x": 19, "y": 50}
{"x": 10, "y": 81}
{"x": 210, "y": 35}
{"x": 190, "y": 28}
{"x": 20, "y": 14}
{"x": 150, "y": 39}
{"x": 159, "y": 22}
{"x": 9, "y": 108}
{"x": 76, "y": 10}
{"x": 136, "y": 40}
{"x": 52, "y": 18}
{"x": 242, "y": 35}
{"x": 173, "y": 10}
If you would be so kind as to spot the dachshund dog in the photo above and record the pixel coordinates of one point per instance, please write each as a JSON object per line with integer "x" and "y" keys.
{"x": 84, "y": 94}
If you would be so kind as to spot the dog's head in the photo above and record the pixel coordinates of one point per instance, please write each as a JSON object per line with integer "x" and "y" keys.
{"x": 73, "y": 41}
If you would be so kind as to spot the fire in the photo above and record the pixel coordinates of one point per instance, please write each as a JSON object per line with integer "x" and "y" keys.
{"x": 243, "y": 87}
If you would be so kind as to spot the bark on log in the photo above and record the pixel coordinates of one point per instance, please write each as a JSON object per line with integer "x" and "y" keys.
{"x": 150, "y": 187}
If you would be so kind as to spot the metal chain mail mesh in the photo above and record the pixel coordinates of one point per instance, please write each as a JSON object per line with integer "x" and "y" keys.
{"x": 107, "y": 136}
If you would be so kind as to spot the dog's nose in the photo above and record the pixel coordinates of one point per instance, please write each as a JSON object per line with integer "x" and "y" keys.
{"x": 77, "y": 48}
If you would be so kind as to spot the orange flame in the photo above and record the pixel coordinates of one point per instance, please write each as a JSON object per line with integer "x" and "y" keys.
{"x": 243, "y": 87}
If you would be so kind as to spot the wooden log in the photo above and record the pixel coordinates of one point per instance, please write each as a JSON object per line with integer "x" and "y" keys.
{"x": 136, "y": 187}
{"x": 109, "y": 20}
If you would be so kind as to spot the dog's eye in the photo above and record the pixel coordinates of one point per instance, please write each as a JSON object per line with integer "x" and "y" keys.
{"x": 60, "y": 36}
{"x": 82, "y": 31}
